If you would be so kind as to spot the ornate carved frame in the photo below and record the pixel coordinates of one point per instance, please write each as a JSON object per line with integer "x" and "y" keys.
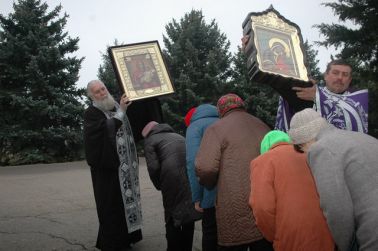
{"x": 275, "y": 54}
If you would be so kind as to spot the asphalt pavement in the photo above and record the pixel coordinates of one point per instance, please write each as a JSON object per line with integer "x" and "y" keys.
{"x": 51, "y": 207}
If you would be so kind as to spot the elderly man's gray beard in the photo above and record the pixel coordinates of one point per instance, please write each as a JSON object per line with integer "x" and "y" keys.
{"x": 106, "y": 104}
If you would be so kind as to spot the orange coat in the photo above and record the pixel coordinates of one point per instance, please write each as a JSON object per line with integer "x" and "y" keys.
{"x": 285, "y": 201}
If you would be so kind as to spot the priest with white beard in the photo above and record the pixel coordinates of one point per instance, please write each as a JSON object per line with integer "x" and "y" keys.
{"x": 111, "y": 154}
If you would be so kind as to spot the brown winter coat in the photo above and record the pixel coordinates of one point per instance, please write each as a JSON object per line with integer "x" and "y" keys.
{"x": 226, "y": 150}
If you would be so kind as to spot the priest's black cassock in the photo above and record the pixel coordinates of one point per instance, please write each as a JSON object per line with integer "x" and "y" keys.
{"x": 112, "y": 156}
{"x": 140, "y": 112}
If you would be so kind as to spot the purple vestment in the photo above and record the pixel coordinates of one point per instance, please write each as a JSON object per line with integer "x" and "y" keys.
{"x": 348, "y": 111}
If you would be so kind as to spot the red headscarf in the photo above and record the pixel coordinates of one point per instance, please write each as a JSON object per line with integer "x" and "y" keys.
{"x": 228, "y": 102}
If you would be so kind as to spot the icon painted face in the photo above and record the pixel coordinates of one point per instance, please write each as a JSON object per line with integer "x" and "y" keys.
{"x": 338, "y": 78}
{"x": 99, "y": 91}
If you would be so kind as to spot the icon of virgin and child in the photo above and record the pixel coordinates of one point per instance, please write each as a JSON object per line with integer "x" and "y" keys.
{"x": 142, "y": 72}
{"x": 278, "y": 58}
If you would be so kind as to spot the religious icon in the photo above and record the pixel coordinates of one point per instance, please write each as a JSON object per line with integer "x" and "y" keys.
{"x": 275, "y": 54}
{"x": 141, "y": 70}
{"x": 278, "y": 57}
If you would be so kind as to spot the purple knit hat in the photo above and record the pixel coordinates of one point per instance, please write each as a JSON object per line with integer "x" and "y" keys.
{"x": 229, "y": 102}
{"x": 146, "y": 130}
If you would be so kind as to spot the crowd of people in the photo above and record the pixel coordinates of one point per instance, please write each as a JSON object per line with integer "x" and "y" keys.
{"x": 310, "y": 184}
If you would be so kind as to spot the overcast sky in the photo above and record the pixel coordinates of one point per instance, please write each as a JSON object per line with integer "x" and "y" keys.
{"x": 99, "y": 22}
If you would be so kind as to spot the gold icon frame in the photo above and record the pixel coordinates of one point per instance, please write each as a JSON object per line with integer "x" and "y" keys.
{"x": 141, "y": 70}
{"x": 271, "y": 30}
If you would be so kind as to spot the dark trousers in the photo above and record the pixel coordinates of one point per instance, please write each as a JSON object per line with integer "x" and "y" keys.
{"x": 260, "y": 245}
{"x": 209, "y": 230}
{"x": 179, "y": 238}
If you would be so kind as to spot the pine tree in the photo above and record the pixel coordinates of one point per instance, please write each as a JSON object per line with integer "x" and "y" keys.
{"x": 312, "y": 61}
{"x": 199, "y": 62}
{"x": 40, "y": 105}
{"x": 358, "y": 45}
{"x": 261, "y": 100}
{"x": 107, "y": 75}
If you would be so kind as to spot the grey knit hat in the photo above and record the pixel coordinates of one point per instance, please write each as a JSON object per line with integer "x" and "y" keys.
{"x": 305, "y": 125}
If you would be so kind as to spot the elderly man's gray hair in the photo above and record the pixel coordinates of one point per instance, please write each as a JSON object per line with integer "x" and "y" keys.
{"x": 89, "y": 85}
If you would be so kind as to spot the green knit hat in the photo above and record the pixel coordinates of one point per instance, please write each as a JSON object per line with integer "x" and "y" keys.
{"x": 272, "y": 138}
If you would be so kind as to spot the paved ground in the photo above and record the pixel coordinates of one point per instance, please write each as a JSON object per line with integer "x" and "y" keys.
{"x": 51, "y": 207}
